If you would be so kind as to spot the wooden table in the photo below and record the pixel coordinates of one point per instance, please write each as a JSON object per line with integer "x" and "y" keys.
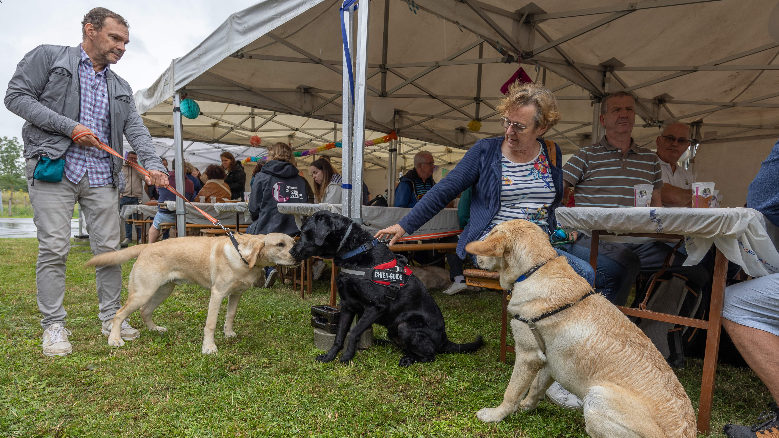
{"x": 713, "y": 325}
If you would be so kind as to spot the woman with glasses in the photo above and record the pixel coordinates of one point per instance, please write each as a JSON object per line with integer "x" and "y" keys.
{"x": 512, "y": 176}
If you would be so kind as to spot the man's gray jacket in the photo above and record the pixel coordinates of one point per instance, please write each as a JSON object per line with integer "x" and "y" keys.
{"x": 44, "y": 91}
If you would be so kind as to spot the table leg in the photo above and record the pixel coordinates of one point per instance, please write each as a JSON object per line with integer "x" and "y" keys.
{"x": 712, "y": 342}
{"x": 310, "y": 276}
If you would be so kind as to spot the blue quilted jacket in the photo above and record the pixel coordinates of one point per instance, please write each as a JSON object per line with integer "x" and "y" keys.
{"x": 480, "y": 168}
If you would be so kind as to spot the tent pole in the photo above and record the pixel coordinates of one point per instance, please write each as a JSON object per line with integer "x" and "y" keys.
{"x": 595, "y": 120}
{"x": 392, "y": 167}
{"x": 178, "y": 144}
{"x": 360, "y": 84}
{"x": 347, "y": 118}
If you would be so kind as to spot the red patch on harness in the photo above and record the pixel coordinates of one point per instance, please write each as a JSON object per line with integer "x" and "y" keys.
{"x": 389, "y": 265}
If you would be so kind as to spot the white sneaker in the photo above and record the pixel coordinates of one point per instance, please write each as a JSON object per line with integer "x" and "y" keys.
{"x": 126, "y": 242}
{"x": 318, "y": 269}
{"x": 456, "y": 288}
{"x": 128, "y": 333}
{"x": 561, "y": 397}
{"x": 55, "y": 341}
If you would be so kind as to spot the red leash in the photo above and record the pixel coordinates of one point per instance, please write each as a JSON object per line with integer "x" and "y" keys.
{"x": 143, "y": 171}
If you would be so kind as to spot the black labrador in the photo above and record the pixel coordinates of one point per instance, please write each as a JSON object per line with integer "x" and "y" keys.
{"x": 374, "y": 285}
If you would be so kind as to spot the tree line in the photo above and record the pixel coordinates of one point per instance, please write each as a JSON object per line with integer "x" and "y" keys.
{"x": 11, "y": 165}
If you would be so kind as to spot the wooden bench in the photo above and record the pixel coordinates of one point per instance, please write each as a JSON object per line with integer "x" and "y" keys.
{"x": 491, "y": 280}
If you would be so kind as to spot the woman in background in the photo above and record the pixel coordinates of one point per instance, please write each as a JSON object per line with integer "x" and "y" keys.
{"x": 327, "y": 182}
{"x": 215, "y": 187}
{"x": 236, "y": 176}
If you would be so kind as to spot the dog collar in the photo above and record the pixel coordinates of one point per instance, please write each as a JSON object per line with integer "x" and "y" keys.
{"x": 532, "y": 322}
{"x": 527, "y": 274}
{"x": 365, "y": 247}
{"x": 343, "y": 239}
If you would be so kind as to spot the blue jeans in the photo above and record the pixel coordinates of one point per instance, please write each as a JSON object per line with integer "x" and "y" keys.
{"x": 128, "y": 228}
{"x": 618, "y": 268}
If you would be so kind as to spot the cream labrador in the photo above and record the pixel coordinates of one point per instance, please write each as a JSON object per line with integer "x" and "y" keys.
{"x": 588, "y": 345}
{"x": 211, "y": 262}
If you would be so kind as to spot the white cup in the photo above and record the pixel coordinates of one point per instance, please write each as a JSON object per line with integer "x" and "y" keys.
{"x": 202, "y": 199}
{"x": 642, "y": 195}
{"x": 702, "y": 193}
{"x": 213, "y": 199}
{"x": 246, "y": 196}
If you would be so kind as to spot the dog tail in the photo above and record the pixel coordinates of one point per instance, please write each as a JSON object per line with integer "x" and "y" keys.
{"x": 451, "y": 347}
{"x": 116, "y": 257}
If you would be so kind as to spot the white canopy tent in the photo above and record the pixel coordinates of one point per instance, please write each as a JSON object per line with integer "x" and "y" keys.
{"x": 440, "y": 64}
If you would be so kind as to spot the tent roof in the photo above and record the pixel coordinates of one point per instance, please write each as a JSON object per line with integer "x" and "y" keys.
{"x": 275, "y": 68}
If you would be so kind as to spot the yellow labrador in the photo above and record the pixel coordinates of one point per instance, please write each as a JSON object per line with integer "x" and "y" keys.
{"x": 211, "y": 262}
{"x": 590, "y": 347}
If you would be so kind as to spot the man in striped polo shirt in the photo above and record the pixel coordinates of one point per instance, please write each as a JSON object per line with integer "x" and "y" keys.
{"x": 603, "y": 175}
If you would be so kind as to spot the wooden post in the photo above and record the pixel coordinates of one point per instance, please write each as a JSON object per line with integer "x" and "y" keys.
{"x": 10, "y": 201}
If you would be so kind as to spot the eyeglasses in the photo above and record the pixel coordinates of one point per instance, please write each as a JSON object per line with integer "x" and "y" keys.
{"x": 507, "y": 124}
{"x": 680, "y": 141}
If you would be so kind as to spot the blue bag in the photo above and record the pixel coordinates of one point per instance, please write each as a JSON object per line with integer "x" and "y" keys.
{"x": 49, "y": 170}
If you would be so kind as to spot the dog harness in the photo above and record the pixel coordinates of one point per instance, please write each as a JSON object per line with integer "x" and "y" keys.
{"x": 394, "y": 274}
{"x": 532, "y": 321}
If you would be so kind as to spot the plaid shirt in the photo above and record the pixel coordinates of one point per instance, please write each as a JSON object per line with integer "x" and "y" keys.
{"x": 94, "y": 115}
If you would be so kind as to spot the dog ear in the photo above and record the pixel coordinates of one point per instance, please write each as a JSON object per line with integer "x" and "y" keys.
{"x": 254, "y": 252}
{"x": 494, "y": 245}
{"x": 322, "y": 228}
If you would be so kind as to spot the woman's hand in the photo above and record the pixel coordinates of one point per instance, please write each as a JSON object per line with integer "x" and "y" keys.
{"x": 394, "y": 232}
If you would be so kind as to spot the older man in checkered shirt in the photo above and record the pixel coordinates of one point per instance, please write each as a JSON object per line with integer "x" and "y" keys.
{"x": 62, "y": 92}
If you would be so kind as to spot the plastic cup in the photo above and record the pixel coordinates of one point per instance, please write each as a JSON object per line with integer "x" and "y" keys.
{"x": 202, "y": 199}
{"x": 246, "y": 196}
{"x": 702, "y": 193}
{"x": 713, "y": 202}
{"x": 213, "y": 199}
{"x": 642, "y": 195}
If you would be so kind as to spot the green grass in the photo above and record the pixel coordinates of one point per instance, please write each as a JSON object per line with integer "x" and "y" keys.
{"x": 265, "y": 382}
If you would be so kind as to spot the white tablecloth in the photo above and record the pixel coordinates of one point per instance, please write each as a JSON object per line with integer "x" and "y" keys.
{"x": 224, "y": 212}
{"x": 377, "y": 218}
{"x": 740, "y": 233}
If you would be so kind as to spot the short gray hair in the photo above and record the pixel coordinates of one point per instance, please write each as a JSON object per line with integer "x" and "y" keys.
{"x": 97, "y": 18}
{"x": 419, "y": 158}
{"x": 604, "y": 106}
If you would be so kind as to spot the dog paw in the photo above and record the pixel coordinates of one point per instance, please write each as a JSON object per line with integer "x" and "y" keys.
{"x": 160, "y": 329}
{"x": 118, "y": 342}
{"x": 406, "y": 361}
{"x": 489, "y": 415}
{"x": 211, "y": 349}
{"x": 324, "y": 358}
{"x": 345, "y": 361}
{"x": 230, "y": 334}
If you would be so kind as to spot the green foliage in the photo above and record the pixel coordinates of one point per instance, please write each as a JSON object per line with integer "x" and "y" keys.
{"x": 265, "y": 382}
{"x": 11, "y": 164}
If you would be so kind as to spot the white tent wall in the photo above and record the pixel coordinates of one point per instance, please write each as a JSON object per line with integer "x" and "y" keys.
{"x": 731, "y": 166}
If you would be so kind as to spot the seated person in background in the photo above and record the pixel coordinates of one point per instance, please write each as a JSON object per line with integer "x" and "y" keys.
{"x": 677, "y": 181}
{"x": 604, "y": 175}
{"x": 151, "y": 190}
{"x": 236, "y": 176}
{"x": 278, "y": 182}
{"x": 751, "y": 317}
{"x": 416, "y": 182}
{"x": 327, "y": 182}
{"x": 215, "y": 186}
{"x": 163, "y": 214}
{"x": 190, "y": 169}
{"x": 676, "y": 192}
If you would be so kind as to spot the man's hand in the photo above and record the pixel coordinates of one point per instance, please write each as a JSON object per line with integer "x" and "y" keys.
{"x": 395, "y": 232}
{"x": 158, "y": 178}
{"x": 88, "y": 140}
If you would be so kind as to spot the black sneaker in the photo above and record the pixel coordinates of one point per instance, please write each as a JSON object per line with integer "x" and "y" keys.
{"x": 767, "y": 426}
{"x": 270, "y": 276}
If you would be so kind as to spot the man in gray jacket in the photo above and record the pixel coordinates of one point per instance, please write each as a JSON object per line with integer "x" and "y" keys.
{"x": 62, "y": 92}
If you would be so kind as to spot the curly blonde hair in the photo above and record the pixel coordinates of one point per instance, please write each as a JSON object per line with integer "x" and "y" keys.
{"x": 547, "y": 114}
{"x": 281, "y": 152}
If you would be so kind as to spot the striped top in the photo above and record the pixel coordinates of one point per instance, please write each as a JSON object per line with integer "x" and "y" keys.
{"x": 604, "y": 177}
{"x": 526, "y": 191}
{"x": 94, "y": 114}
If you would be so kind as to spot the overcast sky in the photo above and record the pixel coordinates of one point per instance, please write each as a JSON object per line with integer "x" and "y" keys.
{"x": 160, "y": 31}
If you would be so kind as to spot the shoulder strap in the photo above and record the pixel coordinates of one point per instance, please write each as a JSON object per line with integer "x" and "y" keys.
{"x": 551, "y": 148}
